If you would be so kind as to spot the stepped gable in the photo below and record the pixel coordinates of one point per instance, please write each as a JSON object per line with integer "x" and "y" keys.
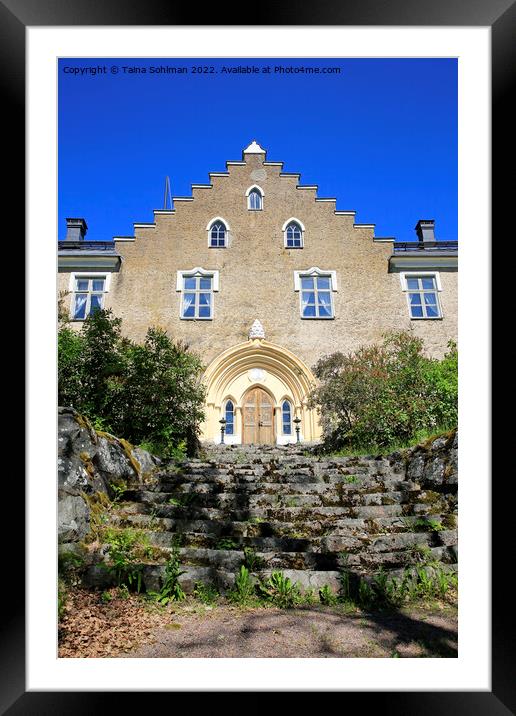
{"x": 304, "y": 514}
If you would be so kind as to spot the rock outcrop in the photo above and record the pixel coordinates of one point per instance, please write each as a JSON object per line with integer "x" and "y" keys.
{"x": 91, "y": 463}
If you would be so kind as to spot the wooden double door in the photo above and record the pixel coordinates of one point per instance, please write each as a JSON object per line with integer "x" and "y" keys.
{"x": 258, "y": 418}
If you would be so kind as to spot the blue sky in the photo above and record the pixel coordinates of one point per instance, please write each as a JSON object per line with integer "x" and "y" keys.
{"x": 380, "y": 136}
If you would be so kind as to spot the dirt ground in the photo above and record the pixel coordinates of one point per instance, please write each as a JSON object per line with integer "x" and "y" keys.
{"x": 133, "y": 628}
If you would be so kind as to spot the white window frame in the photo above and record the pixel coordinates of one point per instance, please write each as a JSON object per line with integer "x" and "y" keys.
{"x": 197, "y": 272}
{"x": 225, "y": 412}
{"x": 252, "y": 188}
{"x": 293, "y": 219}
{"x": 91, "y": 275}
{"x": 316, "y": 272}
{"x": 292, "y": 415}
{"x": 215, "y": 220}
{"x": 404, "y": 275}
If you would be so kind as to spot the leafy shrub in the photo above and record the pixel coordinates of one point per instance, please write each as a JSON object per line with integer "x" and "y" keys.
{"x": 243, "y": 590}
{"x": 427, "y": 524}
{"x": 384, "y": 395}
{"x": 171, "y": 589}
{"x": 148, "y": 393}
{"x": 327, "y": 596}
{"x": 281, "y": 591}
{"x": 425, "y": 580}
{"x": 123, "y": 550}
{"x": 226, "y": 543}
{"x": 205, "y": 593}
{"x": 251, "y": 560}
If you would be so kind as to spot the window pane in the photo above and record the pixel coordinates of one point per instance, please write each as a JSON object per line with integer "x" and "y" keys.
{"x": 325, "y": 311}
{"x": 229, "y": 415}
{"x": 415, "y": 299}
{"x": 324, "y": 298}
{"x": 308, "y": 297}
{"x": 416, "y": 311}
{"x": 82, "y": 284}
{"x": 205, "y": 283}
{"x": 431, "y": 312}
{"x": 190, "y": 282}
{"x": 96, "y": 302}
{"x": 309, "y": 311}
{"x": 98, "y": 284}
{"x": 189, "y": 305}
{"x": 204, "y": 311}
{"x": 430, "y": 298}
{"x": 323, "y": 282}
{"x": 80, "y": 306}
{"x": 204, "y": 299}
{"x": 428, "y": 283}
{"x": 307, "y": 283}
{"x": 412, "y": 283}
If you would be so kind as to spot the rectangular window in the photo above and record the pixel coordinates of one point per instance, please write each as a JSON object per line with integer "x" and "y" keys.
{"x": 316, "y": 300}
{"x": 88, "y": 296}
{"x": 197, "y": 300}
{"x": 423, "y": 297}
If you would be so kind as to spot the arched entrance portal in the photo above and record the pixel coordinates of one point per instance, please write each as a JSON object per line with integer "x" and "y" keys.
{"x": 259, "y": 382}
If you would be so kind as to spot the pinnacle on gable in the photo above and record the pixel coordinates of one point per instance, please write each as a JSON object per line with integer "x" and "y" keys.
{"x": 254, "y": 148}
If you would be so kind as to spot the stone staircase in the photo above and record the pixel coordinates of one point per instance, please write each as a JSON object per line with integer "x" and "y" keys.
{"x": 303, "y": 514}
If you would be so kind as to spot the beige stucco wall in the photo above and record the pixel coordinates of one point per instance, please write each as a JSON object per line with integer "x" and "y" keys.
{"x": 257, "y": 272}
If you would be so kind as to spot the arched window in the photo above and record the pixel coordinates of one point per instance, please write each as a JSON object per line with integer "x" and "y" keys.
{"x": 218, "y": 235}
{"x": 293, "y": 236}
{"x": 286, "y": 418}
{"x": 255, "y": 200}
{"x": 229, "y": 414}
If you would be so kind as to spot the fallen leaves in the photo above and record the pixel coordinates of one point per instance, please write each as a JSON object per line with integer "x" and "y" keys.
{"x": 92, "y": 628}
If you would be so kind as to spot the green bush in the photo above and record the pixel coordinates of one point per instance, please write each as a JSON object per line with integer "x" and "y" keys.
{"x": 244, "y": 590}
{"x": 148, "y": 393}
{"x": 280, "y": 591}
{"x": 385, "y": 395}
{"x": 125, "y": 548}
{"x": 171, "y": 590}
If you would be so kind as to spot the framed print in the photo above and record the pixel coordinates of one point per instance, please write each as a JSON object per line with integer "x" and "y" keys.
{"x": 78, "y": 36}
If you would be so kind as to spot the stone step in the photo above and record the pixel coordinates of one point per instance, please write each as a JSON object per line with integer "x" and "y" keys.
{"x": 371, "y": 548}
{"x": 213, "y": 522}
{"x": 242, "y": 512}
{"x": 317, "y": 472}
{"x": 329, "y": 497}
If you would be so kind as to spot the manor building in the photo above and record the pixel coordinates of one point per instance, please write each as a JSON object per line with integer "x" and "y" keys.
{"x": 262, "y": 277}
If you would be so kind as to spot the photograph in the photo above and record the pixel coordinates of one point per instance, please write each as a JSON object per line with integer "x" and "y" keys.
{"x": 257, "y": 306}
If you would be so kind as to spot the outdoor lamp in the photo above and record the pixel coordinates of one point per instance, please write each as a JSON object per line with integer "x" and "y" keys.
{"x": 297, "y": 422}
{"x": 222, "y": 422}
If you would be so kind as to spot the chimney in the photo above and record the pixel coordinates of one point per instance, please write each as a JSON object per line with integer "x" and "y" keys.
{"x": 76, "y": 229}
{"x": 425, "y": 230}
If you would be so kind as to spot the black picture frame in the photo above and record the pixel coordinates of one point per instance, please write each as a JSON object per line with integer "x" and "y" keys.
{"x": 500, "y": 16}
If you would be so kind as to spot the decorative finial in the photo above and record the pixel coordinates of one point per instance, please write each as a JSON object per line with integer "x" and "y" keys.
{"x": 256, "y": 330}
{"x": 254, "y": 148}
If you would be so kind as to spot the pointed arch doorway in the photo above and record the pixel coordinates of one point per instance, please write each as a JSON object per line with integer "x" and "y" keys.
{"x": 280, "y": 376}
{"x": 258, "y": 418}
